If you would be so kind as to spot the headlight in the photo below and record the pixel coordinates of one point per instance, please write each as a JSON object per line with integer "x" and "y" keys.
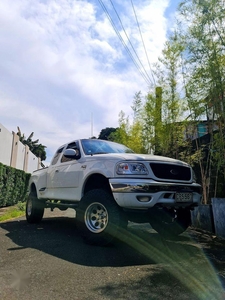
{"x": 125, "y": 168}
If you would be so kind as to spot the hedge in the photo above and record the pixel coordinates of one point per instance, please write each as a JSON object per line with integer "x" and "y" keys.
{"x": 13, "y": 185}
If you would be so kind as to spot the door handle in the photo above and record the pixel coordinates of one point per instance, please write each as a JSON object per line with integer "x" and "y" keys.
{"x": 56, "y": 170}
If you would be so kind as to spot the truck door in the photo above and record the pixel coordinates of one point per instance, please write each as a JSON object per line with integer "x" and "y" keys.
{"x": 63, "y": 177}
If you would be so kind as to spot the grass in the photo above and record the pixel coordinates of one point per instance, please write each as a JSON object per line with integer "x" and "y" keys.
{"x": 13, "y": 212}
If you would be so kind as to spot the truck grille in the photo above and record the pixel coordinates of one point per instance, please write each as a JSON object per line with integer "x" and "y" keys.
{"x": 172, "y": 172}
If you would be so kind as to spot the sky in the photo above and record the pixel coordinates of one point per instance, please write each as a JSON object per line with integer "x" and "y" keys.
{"x": 64, "y": 72}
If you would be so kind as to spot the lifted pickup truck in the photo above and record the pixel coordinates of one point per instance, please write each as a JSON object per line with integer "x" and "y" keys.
{"x": 108, "y": 184}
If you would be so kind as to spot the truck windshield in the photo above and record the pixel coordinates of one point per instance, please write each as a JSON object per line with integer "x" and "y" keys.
{"x": 91, "y": 146}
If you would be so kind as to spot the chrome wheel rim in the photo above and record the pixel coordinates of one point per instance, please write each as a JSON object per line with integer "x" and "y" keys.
{"x": 96, "y": 217}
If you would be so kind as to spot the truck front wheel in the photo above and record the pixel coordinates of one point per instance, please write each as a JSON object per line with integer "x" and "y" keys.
{"x": 34, "y": 208}
{"x": 170, "y": 222}
{"x": 99, "y": 217}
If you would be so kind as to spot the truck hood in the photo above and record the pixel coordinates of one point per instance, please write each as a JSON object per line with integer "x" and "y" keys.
{"x": 138, "y": 157}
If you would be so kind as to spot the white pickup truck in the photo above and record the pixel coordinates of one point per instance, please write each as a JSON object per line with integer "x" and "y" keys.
{"x": 108, "y": 184}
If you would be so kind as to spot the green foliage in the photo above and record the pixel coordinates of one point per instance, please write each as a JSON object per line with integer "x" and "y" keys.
{"x": 204, "y": 39}
{"x": 137, "y": 105}
{"x": 12, "y": 212}
{"x": 35, "y": 148}
{"x": 21, "y": 206}
{"x": 191, "y": 75}
{"x": 202, "y": 29}
{"x": 13, "y": 185}
{"x": 106, "y": 133}
{"x": 121, "y": 135}
{"x": 131, "y": 134}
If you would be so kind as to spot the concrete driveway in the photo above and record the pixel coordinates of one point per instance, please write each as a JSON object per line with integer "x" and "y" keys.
{"x": 50, "y": 261}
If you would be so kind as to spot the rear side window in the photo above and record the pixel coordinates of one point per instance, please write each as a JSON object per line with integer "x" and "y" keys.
{"x": 56, "y": 157}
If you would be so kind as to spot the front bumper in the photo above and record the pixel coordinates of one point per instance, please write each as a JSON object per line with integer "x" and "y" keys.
{"x": 143, "y": 193}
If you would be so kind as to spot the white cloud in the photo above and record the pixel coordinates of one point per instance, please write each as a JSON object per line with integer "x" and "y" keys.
{"x": 61, "y": 62}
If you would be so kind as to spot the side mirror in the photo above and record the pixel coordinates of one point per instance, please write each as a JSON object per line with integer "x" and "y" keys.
{"x": 71, "y": 153}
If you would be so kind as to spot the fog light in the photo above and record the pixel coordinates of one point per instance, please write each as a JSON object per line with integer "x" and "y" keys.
{"x": 144, "y": 198}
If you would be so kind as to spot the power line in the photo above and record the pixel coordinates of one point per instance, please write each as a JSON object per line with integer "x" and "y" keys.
{"x": 142, "y": 41}
{"x": 129, "y": 40}
{"x": 122, "y": 41}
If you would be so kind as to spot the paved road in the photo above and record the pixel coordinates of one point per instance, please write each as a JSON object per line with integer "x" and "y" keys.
{"x": 50, "y": 261}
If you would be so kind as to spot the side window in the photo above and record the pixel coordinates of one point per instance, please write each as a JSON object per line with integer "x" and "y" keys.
{"x": 72, "y": 145}
{"x": 56, "y": 157}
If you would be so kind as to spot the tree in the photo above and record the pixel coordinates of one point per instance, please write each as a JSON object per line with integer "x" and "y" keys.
{"x": 137, "y": 106}
{"x": 106, "y": 133}
{"x": 121, "y": 135}
{"x": 190, "y": 75}
{"x": 35, "y": 148}
{"x": 204, "y": 61}
{"x": 131, "y": 133}
{"x": 164, "y": 109}
{"x": 136, "y": 137}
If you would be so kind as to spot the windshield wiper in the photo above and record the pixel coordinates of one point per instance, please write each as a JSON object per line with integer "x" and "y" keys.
{"x": 99, "y": 153}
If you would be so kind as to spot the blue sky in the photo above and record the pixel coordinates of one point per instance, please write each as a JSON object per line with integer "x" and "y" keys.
{"x": 61, "y": 62}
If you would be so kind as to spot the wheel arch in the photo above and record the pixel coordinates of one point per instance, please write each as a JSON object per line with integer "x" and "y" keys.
{"x": 33, "y": 188}
{"x": 96, "y": 181}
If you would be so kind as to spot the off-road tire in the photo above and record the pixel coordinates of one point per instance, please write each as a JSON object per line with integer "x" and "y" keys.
{"x": 34, "y": 208}
{"x": 170, "y": 222}
{"x": 99, "y": 218}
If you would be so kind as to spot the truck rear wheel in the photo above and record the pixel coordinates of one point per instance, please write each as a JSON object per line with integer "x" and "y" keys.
{"x": 99, "y": 217}
{"x": 170, "y": 222}
{"x": 34, "y": 208}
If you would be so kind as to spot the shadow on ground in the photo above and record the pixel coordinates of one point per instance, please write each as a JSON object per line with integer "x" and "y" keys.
{"x": 59, "y": 237}
{"x": 172, "y": 267}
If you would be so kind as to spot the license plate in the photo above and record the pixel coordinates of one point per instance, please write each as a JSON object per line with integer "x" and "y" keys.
{"x": 184, "y": 197}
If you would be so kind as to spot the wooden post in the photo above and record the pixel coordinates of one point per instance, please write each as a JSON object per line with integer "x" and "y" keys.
{"x": 158, "y": 117}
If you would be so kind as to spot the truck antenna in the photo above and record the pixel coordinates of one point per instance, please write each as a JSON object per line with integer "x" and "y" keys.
{"x": 91, "y": 124}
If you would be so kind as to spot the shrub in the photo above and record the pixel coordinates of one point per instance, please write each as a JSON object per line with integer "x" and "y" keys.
{"x": 13, "y": 185}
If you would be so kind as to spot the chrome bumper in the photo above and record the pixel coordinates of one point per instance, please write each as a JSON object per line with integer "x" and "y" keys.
{"x": 133, "y": 193}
